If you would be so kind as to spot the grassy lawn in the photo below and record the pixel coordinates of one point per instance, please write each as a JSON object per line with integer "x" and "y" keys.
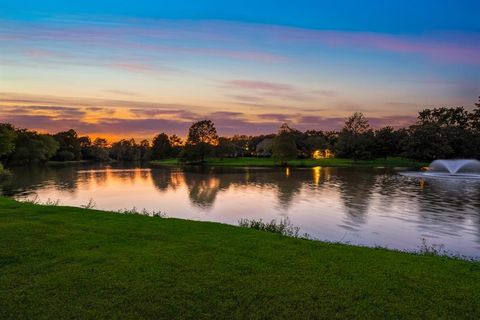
{"x": 59, "y": 262}
{"x": 269, "y": 162}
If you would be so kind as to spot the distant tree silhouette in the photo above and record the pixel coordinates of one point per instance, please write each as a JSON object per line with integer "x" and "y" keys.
{"x": 356, "y": 139}
{"x": 70, "y": 146}
{"x": 284, "y": 147}
{"x": 386, "y": 141}
{"x": 7, "y": 138}
{"x": 31, "y": 147}
{"x": 161, "y": 147}
{"x": 202, "y": 136}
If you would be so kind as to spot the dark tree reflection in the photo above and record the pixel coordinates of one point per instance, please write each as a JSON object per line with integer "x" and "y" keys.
{"x": 355, "y": 196}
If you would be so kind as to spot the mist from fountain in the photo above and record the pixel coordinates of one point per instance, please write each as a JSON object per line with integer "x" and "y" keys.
{"x": 458, "y": 166}
{"x": 450, "y": 169}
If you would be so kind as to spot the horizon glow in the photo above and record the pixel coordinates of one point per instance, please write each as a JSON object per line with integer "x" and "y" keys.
{"x": 135, "y": 69}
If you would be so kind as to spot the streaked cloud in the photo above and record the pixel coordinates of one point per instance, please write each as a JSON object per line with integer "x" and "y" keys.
{"x": 138, "y": 77}
{"x": 253, "y": 90}
{"x": 146, "y": 123}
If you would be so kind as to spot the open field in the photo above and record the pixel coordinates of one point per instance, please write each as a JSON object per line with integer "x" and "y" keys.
{"x": 61, "y": 262}
{"x": 270, "y": 162}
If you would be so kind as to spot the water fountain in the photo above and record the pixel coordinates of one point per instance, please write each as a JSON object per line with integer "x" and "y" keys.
{"x": 451, "y": 169}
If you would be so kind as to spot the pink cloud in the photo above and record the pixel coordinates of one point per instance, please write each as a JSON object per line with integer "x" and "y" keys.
{"x": 150, "y": 122}
{"x": 258, "y": 90}
{"x": 433, "y": 48}
{"x": 135, "y": 37}
{"x": 234, "y": 40}
{"x": 275, "y": 117}
{"x": 259, "y": 85}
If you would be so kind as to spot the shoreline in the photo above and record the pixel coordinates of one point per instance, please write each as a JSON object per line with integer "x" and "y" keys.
{"x": 297, "y": 163}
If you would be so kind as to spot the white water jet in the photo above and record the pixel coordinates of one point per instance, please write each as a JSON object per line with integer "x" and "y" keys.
{"x": 460, "y": 166}
{"x": 452, "y": 169}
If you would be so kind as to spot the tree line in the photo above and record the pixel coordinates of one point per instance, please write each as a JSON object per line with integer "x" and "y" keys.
{"x": 446, "y": 132}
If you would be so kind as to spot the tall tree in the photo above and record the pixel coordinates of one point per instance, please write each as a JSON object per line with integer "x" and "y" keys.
{"x": 177, "y": 144}
{"x": 202, "y": 137}
{"x": 202, "y": 132}
{"x": 145, "y": 150}
{"x": 475, "y": 117}
{"x": 356, "y": 139}
{"x": 161, "y": 147}
{"x": 425, "y": 142}
{"x": 314, "y": 140}
{"x": 284, "y": 147}
{"x": 125, "y": 150}
{"x": 70, "y": 146}
{"x": 225, "y": 148}
{"x": 31, "y": 147}
{"x": 357, "y": 124}
{"x": 7, "y": 138}
{"x": 441, "y": 133}
{"x": 385, "y": 142}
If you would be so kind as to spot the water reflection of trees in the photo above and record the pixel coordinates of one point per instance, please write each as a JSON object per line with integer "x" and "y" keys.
{"x": 27, "y": 180}
{"x": 443, "y": 207}
{"x": 204, "y": 184}
{"x": 203, "y": 191}
{"x": 355, "y": 187}
{"x": 288, "y": 186}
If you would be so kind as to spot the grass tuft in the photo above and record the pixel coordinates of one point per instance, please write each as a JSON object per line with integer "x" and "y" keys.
{"x": 143, "y": 212}
{"x": 283, "y": 227}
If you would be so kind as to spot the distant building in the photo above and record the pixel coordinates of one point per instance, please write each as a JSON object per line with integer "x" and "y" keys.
{"x": 264, "y": 148}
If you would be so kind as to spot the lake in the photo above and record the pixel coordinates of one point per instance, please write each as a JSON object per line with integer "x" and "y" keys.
{"x": 362, "y": 206}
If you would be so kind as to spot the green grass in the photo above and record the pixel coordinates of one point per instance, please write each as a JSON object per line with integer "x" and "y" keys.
{"x": 269, "y": 162}
{"x": 60, "y": 262}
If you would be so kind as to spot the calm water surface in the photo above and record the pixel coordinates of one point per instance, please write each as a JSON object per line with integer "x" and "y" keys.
{"x": 373, "y": 207}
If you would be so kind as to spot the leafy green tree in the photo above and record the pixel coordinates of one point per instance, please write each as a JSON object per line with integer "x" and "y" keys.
{"x": 444, "y": 117}
{"x": 241, "y": 143}
{"x": 70, "y": 146}
{"x": 357, "y": 124}
{"x": 386, "y": 142}
{"x": 441, "y": 133}
{"x": 225, "y": 148}
{"x": 356, "y": 139}
{"x": 31, "y": 147}
{"x": 202, "y": 137}
{"x": 475, "y": 130}
{"x": 145, "y": 150}
{"x": 96, "y": 151}
{"x": 125, "y": 150}
{"x": 177, "y": 144}
{"x": 314, "y": 140}
{"x": 426, "y": 142}
{"x": 7, "y": 139}
{"x": 203, "y": 132}
{"x": 100, "y": 150}
{"x": 284, "y": 147}
{"x": 475, "y": 117}
{"x": 100, "y": 143}
{"x": 162, "y": 147}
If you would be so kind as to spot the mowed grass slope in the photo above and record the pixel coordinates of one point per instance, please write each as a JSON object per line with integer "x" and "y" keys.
{"x": 60, "y": 262}
{"x": 270, "y": 162}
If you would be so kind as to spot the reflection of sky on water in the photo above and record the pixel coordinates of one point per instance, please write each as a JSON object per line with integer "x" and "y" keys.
{"x": 361, "y": 206}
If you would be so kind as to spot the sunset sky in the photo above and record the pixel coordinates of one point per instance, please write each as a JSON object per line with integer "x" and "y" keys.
{"x": 136, "y": 68}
